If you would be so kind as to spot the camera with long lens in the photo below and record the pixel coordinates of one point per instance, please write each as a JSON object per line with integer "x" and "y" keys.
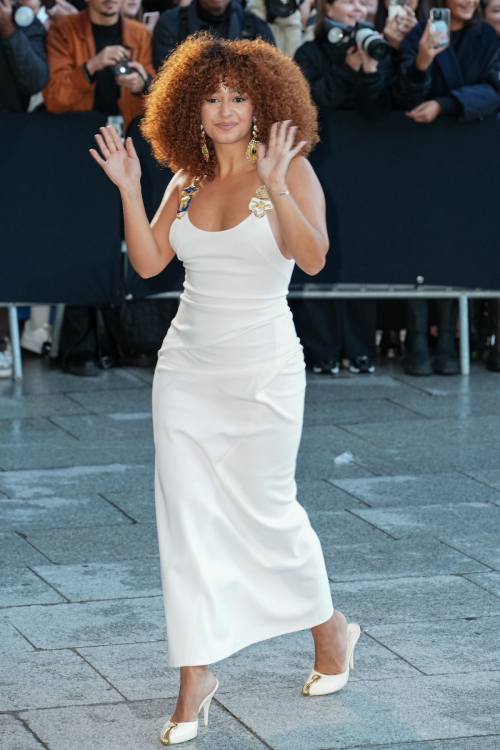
{"x": 362, "y": 33}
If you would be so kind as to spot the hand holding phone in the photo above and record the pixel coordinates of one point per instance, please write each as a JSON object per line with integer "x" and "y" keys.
{"x": 427, "y": 47}
{"x": 440, "y": 26}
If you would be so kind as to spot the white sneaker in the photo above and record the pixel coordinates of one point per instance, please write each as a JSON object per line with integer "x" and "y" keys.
{"x": 6, "y": 362}
{"x": 35, "y": 339}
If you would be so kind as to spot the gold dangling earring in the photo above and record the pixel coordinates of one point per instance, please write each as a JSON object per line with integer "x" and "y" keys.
{"x": 252, "y": 146}
{"x": 204, "y": 147}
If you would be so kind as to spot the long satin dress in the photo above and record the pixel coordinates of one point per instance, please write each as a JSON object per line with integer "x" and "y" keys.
{"x": 240, "y": 561}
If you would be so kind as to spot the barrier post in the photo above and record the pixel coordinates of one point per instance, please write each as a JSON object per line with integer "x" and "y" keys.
{"x": 16, "y": 343}
{"x": 463, "y": 304}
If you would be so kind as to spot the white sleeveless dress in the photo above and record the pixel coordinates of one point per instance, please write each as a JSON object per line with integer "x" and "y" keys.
{"x": 240, "y": 561}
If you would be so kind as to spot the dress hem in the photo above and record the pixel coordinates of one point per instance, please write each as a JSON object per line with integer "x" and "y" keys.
{"x": 294, "y": 629}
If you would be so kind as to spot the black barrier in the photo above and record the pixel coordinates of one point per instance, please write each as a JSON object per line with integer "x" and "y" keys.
{"x": 411, "y": 199}
{"x": 60, "y": 216}
{"x": 406, "y": 200}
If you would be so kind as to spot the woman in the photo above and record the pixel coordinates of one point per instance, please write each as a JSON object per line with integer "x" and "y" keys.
{"x": 240, "y": 561}
{"x": 491, "y": 13}
{"x": 460, "y": 79}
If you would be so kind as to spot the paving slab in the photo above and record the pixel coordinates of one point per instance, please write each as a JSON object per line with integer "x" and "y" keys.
{"x": 444, "y": 520}
{"x": 483, "y": 429}
{"x": 371, "y": 714}
{"x": 133, "y": 726}
{"x": 488, "y": 581}
{"x": 398, "y": 600}
{"x": 450, "y": 487}
{"x": 353, "y": 411}
{"x": 15, "y": 736}
{"x": 28, "y": 406}
{"x": 452, "y": 646}
{"x": 11, "y": 640}
{"x": 470, "y": 743}
{"x": 44, "y": 679}
{"x": 74, "y": 453}
{"x": 73, "y": 481}
{"x": 95, "y": 581}
{"x": 389, "y": 558}
{"x": 41, "y": 377}
{"x": 434, "y": 459}
{"x": 14, "y": 550}
{"x": 482, "y": 547}
{"x": 57, "y": 512}
{"x": 114, "y": 401}
{"x": 96, "y": 544}
{"x": 459, "y": 405}
{"x": 21, "y": 587}
{"x": 317, "y": 494}
{"x": 490, "y": 477}
{"x": 347, "y": 388}
{"x": 62, "y": 626}
{"x": 141, "y": 671}
{"x": 137, "y": 504}
{"x": 25, "y": 433}
{"x": 343, "y": 528}
{"x": 104, "y": 429}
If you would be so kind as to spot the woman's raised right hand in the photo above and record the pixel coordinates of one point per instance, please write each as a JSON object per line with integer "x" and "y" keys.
{"x": 120, "y": 162}
{"x": 427, "y": 50}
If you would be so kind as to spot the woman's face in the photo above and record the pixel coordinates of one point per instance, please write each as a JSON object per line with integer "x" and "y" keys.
{"x": 226, "y": 115}
{"x": 343, "y": 11}
{"x": 462, "y": 10}
{"x": 361, "y": 10}
{"x": 492, "y": 14}
{"x": 130, "y": 8}
{"x": 35, "y": 5}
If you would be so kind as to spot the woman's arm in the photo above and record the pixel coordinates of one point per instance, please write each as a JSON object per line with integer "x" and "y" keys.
{"x": 301, "y": 213}
{"x": 148, "y": 246}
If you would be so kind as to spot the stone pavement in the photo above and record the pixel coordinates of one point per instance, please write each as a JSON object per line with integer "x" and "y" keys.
{"x": 401, "y": 479}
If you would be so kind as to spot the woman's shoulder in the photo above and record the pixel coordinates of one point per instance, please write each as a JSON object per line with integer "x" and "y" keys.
{"x": 307, "y": 50}
{"x": 485, "y": 31}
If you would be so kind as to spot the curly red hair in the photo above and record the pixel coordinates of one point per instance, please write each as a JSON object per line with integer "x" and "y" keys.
{"x": 195, "y": 69}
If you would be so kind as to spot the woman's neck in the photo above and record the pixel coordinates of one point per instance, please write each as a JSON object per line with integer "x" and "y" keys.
{"x": 456, "y": 24}
{"x": 231, "y": 160}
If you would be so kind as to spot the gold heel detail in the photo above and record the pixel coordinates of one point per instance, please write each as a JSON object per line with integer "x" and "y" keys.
{"x": 165, "y": 735}
{"x": 311, "y": 681}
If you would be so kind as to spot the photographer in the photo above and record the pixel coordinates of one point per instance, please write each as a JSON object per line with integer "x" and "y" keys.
{"x": 24, "y": 69}
{"x": 342, "y": 74}
{"x": 83, "y": 50}
{"x": 284, "y": 18}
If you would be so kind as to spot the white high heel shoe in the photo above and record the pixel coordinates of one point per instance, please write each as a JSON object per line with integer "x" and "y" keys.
{"x": 174, "y": 732}
{"x": 322, "y": 684}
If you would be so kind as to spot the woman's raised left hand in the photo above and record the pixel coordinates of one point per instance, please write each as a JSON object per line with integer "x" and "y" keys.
{"x": 274, "y": 159}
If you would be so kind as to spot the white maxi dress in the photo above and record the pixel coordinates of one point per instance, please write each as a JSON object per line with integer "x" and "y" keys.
{"x": 240, "y": 561}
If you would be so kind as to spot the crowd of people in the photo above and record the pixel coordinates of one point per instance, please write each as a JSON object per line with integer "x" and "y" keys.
{"x": 360, "y": 55}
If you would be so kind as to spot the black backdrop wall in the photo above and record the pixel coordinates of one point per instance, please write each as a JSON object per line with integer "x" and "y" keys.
{"x": 405, "y": 199}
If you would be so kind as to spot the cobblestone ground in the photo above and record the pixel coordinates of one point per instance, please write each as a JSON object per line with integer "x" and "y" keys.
{"x": 409, "y": 519}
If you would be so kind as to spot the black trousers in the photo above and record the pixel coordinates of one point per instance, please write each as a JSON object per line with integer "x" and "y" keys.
{"x": 331, "y": 329}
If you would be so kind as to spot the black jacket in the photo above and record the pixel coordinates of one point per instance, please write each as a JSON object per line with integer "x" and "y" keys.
{"x": 335, "y": 85}
{"x": 177, "y": 24}
{"x": 24, "y": 69}
{"x": 470, "y": 74}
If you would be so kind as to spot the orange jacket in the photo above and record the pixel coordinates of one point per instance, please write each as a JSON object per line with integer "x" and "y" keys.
{"x": 70, "y": 43}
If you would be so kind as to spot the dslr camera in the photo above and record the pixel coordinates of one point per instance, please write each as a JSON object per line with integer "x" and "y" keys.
{"x": 362, "y": 33}
{"x": 123, "y": 68}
